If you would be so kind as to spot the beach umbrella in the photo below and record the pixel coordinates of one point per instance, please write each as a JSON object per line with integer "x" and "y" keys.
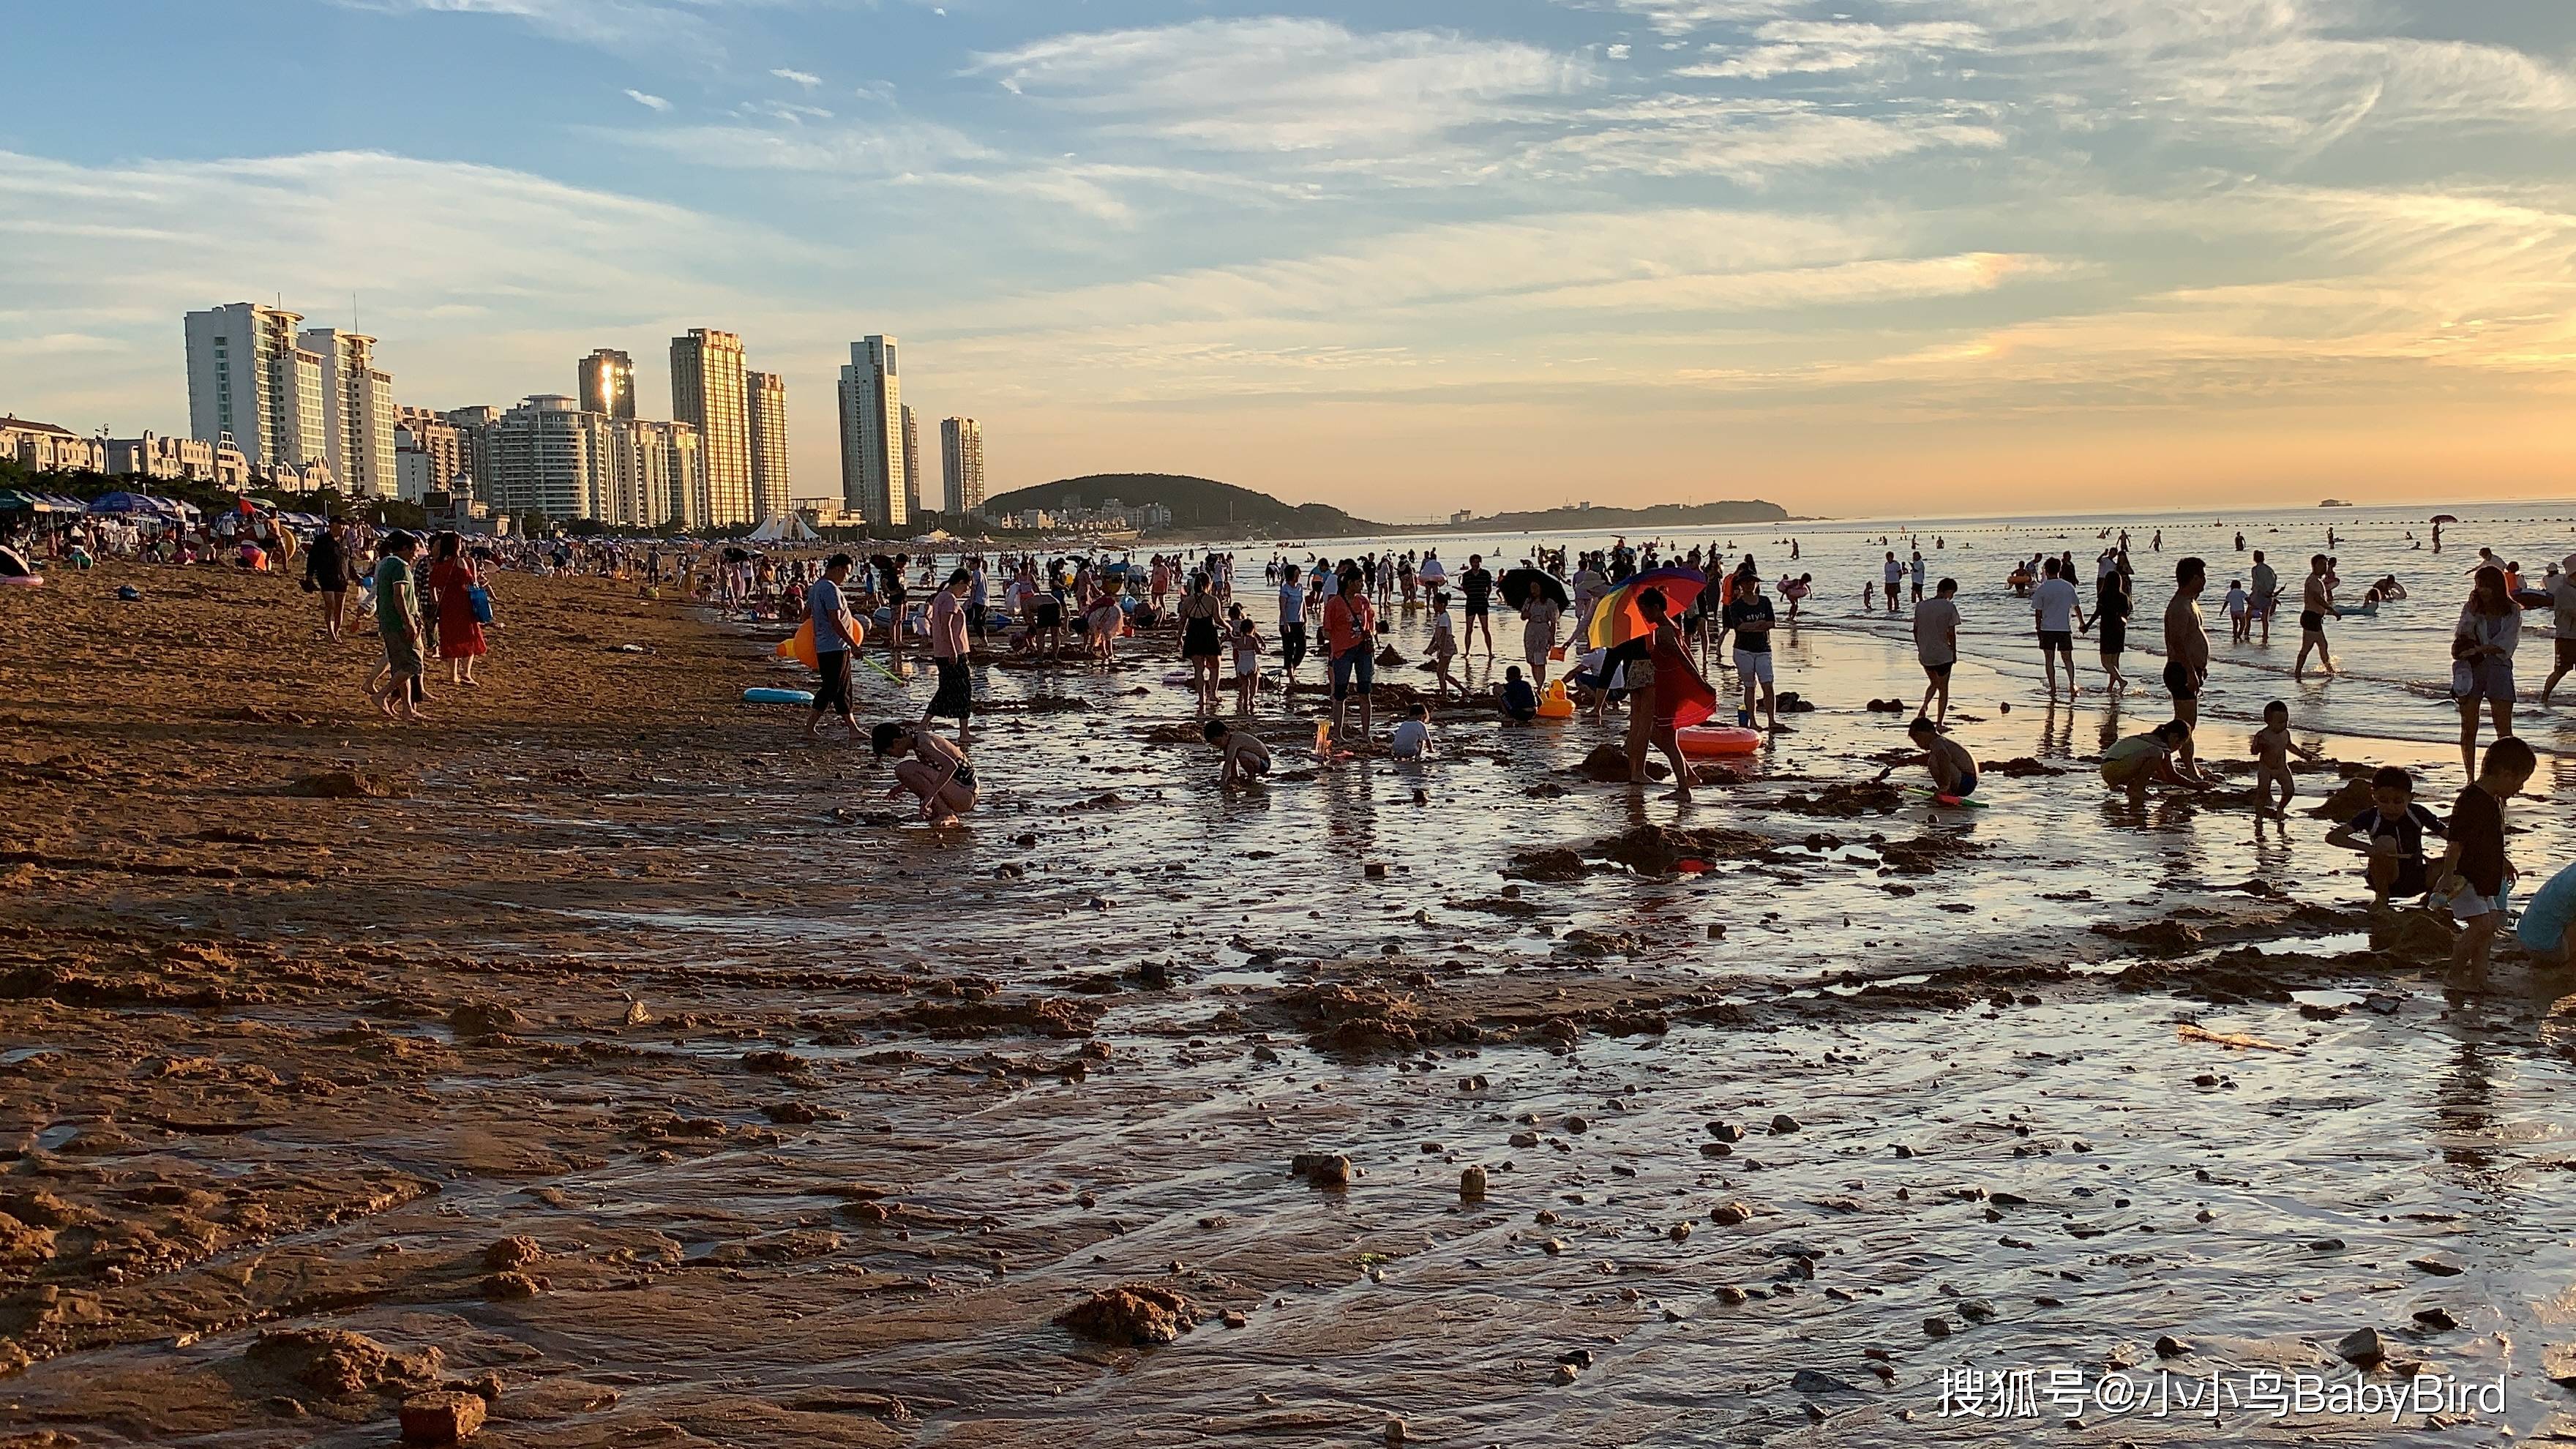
{"x": 1519, "y": 586}
{"x": 2446, "y": 518}
{"x": 129, "y": 503}
{"x": 1616, "y": 618}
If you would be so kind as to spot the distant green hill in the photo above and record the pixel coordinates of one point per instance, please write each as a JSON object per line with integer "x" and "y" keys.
{"x": 1197, "y": 504}
{"x": 1662, "y": 515}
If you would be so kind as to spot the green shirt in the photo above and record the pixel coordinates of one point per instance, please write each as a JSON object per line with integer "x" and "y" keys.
{"x": 395, "y": 607}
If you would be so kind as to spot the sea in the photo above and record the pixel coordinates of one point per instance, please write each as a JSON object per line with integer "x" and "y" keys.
{"x": 2395, "y": 667}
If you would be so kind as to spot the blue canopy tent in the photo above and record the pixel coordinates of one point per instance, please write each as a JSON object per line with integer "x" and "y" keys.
{"x": 142, "y": 503}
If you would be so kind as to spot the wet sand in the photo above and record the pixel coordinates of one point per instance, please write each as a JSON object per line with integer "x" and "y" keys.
{"x": 633, "y": 1068}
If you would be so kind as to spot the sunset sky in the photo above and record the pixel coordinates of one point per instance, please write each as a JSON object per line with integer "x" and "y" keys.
{"x": 1911, "y": 256}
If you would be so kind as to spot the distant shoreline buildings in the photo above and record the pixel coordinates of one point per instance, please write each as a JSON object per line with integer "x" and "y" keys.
{"x": 274, "y": 403}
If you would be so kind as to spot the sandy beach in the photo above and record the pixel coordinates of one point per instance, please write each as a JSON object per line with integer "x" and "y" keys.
{"x": 605, "y": 1053}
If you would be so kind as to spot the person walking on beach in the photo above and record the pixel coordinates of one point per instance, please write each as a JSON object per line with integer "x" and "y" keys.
{"x": 1350, "y": 636}
{"x": 1750, "y": 618}
{"x": 1892, "y": 574}
{"x": 1669, "y": 659}
{"x": 2316, "y": 600}
{"x": 2265, "y": 596}
{"x": 2060, "y": 612}
{"x": 955, "y": 697}
{"x": 326, "y": 572}
{"x": 1936, "y": 644}
{"x": 1538, "y": 634}
{"x": 1477, "y": 584}
{"x": 398, "y": 624}
{"x": 453, "y": 583}
{"x": 1916, "y": 569}
{"x": 836, "y": 642}
{"x": 2482, "y": 658}
{"x": 1292, "y": 622}
{"x": 1444, "y": 645}
{"x": 1201, "y": 646}
{"x": 927, "y": 765}
{"x": 2562, "y": 622}
{"x": 2186, "y": 653}
{"x": 2111, "y": 622}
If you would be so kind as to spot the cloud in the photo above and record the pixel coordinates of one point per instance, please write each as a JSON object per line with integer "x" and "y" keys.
{"x": 1748, "y": 141}
{"x": 1814, "y": 47}
{"x": 807, "y": 79}
{"x": 1282, "y": 83}
{"x": 1681, "y": 17}
{"x": 650, "y": 103}
{"x": 653, "y": 30}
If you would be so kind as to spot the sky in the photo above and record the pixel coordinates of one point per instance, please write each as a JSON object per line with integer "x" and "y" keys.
{"x": 1875, "y": 257}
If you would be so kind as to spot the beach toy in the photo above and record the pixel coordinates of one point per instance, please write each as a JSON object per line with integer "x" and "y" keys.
{"x": 1940, "y": 799}
{"x": 1717, "y": 740}
{"x": 1554, "y": 704}
{"x": 800, "y": 647}
{"x": 778, "y": 696}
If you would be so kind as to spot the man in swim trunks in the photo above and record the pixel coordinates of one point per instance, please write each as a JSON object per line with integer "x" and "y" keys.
{"x": 2266, "y": 593}
{"x": 2316, "y": 600}
{"x": 1936, "y": 644}
{"x": 2059, "y": 612}
{"x": 2186, "y": 652}
{"x": 1477, "y": 583}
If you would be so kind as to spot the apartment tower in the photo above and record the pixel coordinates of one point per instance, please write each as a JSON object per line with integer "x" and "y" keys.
{"x": 607, "y": 383}
{"x": 250, "y": 380}
{"x": 872, "y": 473}
{"x": 961, "y": 461}
{"x": 707, "y": 393}
{"x": 766, "y": 394}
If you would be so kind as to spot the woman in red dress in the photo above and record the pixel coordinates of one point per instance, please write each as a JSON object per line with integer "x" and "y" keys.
{"x": 460, "y": 634}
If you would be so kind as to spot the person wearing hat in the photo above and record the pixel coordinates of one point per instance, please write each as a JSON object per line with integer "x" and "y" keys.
{"x": 2562, "y": 612}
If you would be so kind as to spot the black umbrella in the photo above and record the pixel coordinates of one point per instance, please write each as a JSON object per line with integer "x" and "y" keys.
{"x": 2445, "y": 518}
{"x": 1520, "y": 585}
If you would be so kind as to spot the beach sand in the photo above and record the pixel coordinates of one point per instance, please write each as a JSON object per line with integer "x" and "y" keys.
{"x": 605, "y": 1052}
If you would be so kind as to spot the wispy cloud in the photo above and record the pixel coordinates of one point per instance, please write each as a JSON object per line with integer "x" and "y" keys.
{"x": 648, "y": 102}
{"x": 1749, "y": 141}
{"x": 807, "y": 79}
{"x": 1282, "y": 83}
{"x": 1785, "y": 47}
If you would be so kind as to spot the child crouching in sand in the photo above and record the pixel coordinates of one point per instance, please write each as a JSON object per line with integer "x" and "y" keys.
{"x": 1246, "y": 759}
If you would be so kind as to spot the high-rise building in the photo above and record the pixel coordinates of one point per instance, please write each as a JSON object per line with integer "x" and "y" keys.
{"x": 765, "y": 394}
{"x": 652, "y": 476}
{"x": 961, "y": 464}
{"x": 475, "y": 428}
{"x": 607, "y": 383}
{"x": 250, "y": 380}
{"x": 357, "y": 410}
{"x": 707, "y": 394}
{"x": 550, "y": 457}
{"x": 439, "y": 444}
{"x": 911, "y": 461}
{"x": 872, "y": 476}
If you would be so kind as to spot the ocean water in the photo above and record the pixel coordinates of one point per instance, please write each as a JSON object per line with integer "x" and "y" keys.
{"x": 2396, "y": 666}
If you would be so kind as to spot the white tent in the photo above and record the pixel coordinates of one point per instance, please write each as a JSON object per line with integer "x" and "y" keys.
{"x": 783, "y": 528}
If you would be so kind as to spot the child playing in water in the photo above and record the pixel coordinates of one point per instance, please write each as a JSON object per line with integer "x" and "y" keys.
{"x": 1247, "y": 662}
{"x": 1444, "y": 643}
{"x": 1245, "y": 757}
{"x": 2141, "y": 760}
{"x": 2240, "y": 615}
{"x": 2272, "y": 750}
{"x": 2476, "y": 876}
{"x": 2391, "y": 833}
{"x": 1953, "y": 769}
{"x": 1412, "y": 739}
{"x": 1520, "y": 702}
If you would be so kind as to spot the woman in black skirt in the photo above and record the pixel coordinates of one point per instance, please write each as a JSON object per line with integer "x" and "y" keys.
{"x": 1200, "y": 644}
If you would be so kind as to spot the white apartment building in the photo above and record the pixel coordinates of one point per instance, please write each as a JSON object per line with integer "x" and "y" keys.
{"x": 872, "y": 452}
{"x": 765, "y": 398}
{"x": 655, "y": 474}
{"x": 961, "y": 464}
{"x": 550, "y": 457}
{"x": 357, "y": 410}
{"x": 251, "y": 380}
